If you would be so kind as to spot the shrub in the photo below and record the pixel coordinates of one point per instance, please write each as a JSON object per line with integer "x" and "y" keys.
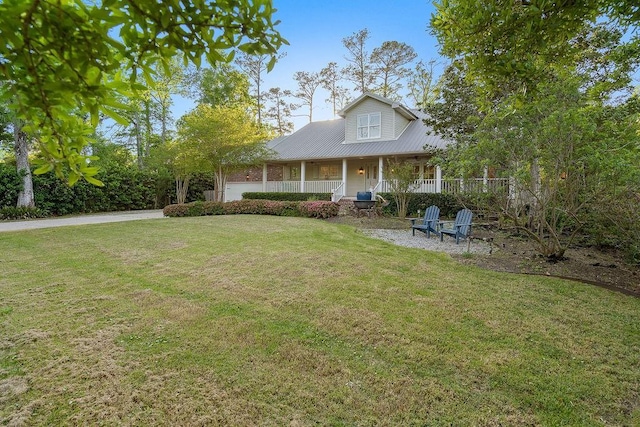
{"x": 319, "y": 209}
{"x": 448, "y": 203}
{"x": 292, "y": 197}
{"x": 316, "y": 209}
{"x": 11, "y": 212}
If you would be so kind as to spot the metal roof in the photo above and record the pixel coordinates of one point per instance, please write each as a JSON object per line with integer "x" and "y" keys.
{"x": 326, "y": 140}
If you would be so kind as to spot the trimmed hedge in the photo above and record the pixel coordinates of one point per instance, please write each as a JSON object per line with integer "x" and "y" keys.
{"x": 11, "y": 212}
{"x": 292, "y": 197}
{"x": 125, "y": 188}
{"x": 312, "y": 209}
{"x": 448, "y": 203}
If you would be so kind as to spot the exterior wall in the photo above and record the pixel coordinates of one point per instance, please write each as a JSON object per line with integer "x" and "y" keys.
{"x": 369, "y": 105}
{"x": 234, "y": 190}
{"x": 400, "y": 124}
{"x": 274, "y": 173}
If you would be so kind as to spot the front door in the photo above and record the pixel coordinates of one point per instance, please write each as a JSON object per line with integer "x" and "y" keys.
{"x": 371, "y": 176}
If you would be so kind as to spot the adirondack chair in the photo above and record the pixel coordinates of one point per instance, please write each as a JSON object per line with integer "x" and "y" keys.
{"x": 427, "y": 224}
{"x": 461, "y": 226}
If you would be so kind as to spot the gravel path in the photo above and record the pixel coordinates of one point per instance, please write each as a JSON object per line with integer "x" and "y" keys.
{"x": 404, "y": 238}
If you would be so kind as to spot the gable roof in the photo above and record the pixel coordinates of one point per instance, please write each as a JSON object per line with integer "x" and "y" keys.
{"x": 326, "y": 140}
{"x": 404, "y": 111}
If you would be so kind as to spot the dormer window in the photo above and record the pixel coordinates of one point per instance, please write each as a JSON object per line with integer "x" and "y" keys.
{"x": 368, "y": 126}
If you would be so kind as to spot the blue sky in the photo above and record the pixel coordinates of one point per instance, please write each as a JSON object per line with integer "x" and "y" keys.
{"x": 315, "y": 29}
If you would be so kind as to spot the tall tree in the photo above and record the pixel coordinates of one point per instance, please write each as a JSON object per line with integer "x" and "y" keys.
{"x": 64, "y": 57}
{"x": 254, "y": 66}
{"x": 338, "y": 95}
{"x": 224, "y": 86}
{"x": 546, "y": 132}
{"x": 279, "y": 110}
{"x": 389, "y": 62}
{"x": 521, "y": 38}
{"x": 26, "y": 195}
{"x": 308, "y": 83}
{"x": 359, "y": 70}
{"x": 221, "y": 140}
{"x": 422, "y": 84}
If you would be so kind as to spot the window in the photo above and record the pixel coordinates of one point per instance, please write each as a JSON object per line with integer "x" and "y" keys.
{"x": 368, "y": 126}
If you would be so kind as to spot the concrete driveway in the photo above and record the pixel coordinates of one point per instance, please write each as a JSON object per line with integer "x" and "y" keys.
{"x": 79, "y": 220}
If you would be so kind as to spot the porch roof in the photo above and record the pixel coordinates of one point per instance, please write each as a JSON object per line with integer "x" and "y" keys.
{"x": 326, "y": 140}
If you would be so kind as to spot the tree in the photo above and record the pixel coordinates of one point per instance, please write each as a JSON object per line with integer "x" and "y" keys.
{"x": 308, "y": 83}
{"x": 279, "y": 111}
{"x": 63, "y": 57}
{"x": 338, "y": 95}
{"x": 221, "y": 140}
{"x": 254, "y": 66}
{"x": 557, "y": 141}
{"x": 521, "y": 38}
{"x": 422, "y": 85}
{"x": 359, "y": 70}
{"x": 224, "y": 86}
{"x": 401, "y": 178}
{"x": 389, "y": 62}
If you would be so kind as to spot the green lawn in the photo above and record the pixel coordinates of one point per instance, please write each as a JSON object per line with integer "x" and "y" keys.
{"x": 249, "y": 320}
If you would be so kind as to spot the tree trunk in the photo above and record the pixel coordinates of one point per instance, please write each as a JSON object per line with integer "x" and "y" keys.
{"x": 182, "y": 186}
{"x": 25, "y": 197}
{"x": 220, "y": 184}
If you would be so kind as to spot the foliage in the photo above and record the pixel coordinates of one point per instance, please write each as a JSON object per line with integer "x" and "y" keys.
{"x": 359, "y": 70}
{"x": 520, "y": 40}
{"x": 401, "y": 179}
{"x": 555, "y": 114}
{"x": 313, "y": 209}
{"x": 389, "y": 61}
{"x": 287, "y": 196}
{"x": 10, "y": 185}
{"x": 449, "y": 204}
{"x": 67, "y": 60}
{"x": 220, "y": 140}
{"x": 308, "y": 83}
{"x": 279, "y": 110}
{"x": 224, "y": 86}
{"x": 21, "y": 212}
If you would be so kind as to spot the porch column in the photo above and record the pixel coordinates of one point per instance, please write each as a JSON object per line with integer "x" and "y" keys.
{"x": 264, "y": 178}
{"x": 303, "y": 175}
{"x": 380, "y": 168}
{"x": 438, "y": 179}
{"x": 485, "y": 180}
{"x": 344, "y": 174}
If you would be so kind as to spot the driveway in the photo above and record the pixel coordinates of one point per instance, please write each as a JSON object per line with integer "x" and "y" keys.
{"x": 79, "y": 220}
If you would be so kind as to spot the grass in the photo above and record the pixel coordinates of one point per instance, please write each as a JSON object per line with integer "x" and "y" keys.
{"x": 248, "y": 320}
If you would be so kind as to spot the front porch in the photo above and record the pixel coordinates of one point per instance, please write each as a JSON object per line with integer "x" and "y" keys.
{"x": 346, "y": 177}
{"x": 442, "y": 185}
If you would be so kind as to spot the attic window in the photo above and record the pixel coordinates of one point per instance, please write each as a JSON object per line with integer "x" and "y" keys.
{"x": 368, "y": 126}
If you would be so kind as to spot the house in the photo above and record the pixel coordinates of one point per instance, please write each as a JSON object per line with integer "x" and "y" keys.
{"x": 349, "y": 154}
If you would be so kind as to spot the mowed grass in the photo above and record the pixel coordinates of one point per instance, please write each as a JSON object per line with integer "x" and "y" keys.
{"x": 250, "y": 320}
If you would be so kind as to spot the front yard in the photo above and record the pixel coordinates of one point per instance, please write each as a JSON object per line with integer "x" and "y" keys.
{"x": 259, "y": 320}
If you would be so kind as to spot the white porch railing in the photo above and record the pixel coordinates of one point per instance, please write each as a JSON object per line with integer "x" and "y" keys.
{"x": 338, "y": 192}
{"x": 475, "y": 185}
{"x": 320, "y": 186}
{"x": 283, "y": 186}
{"x": 451, "y": 186}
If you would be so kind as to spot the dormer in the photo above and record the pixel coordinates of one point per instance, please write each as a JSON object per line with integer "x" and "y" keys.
{"x": 372, "y": 118}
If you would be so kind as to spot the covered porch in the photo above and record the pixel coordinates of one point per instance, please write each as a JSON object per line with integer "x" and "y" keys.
{"x": 344, "y": 178}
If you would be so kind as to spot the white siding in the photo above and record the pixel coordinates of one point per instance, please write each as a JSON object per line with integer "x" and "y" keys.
{"x": 400, "y": 124}
{"x": 367, "y": 106}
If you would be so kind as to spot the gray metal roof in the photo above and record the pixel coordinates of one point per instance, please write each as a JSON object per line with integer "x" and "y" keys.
{"x": 326, "y": 140}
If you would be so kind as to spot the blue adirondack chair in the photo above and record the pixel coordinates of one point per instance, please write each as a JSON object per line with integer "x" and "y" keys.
{"x": 461, "y": 226}
{"x": 427, "y": 224}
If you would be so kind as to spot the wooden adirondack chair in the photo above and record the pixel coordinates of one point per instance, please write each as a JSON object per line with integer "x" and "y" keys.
{"x": 461, "y": 226}
{"x": 429, "y": 223}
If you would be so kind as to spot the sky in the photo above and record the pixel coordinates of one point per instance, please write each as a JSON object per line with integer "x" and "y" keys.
{"x": 315, "y": 29}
